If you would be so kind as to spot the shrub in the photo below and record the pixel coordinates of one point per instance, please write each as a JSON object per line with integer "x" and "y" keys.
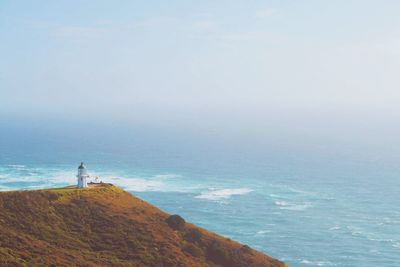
{"x": 193, "y": 235}
{"x": 176, "y": 222}
{"x": 193, "y": 250}
{"x": 245, "y": 249}
{"x": 218, "y": 253}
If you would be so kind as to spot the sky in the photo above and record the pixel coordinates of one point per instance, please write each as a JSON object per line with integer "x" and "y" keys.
{"x": 249, "y": 65}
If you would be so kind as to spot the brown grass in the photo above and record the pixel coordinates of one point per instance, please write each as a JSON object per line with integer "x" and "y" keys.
{"x": 106, "y": 226}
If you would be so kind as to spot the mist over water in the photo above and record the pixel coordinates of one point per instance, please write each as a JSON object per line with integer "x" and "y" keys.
{"x": 302, "y": 196}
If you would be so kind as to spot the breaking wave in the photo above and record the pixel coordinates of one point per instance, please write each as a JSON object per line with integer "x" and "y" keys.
{"x": 138, "y": 184}
{"x": 16, "y": 166}
{"x": 263, "y": 232}
{"x": 22, "y": 177}
{"x": 318, "y": 263}
{"x": 283, "y": 205}
{"x": 220, "y": 194}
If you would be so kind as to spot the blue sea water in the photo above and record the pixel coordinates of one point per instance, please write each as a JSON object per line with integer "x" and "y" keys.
{"x": 307, "y": 208}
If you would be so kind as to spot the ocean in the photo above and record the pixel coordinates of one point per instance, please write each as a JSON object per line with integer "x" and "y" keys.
{"x": 305, "y": 206}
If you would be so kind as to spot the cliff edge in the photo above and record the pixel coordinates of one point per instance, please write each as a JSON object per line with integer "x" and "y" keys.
{"x": 106, "y": 226}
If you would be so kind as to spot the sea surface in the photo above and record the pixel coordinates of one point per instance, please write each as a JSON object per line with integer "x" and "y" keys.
{"x": 305, "y": 207}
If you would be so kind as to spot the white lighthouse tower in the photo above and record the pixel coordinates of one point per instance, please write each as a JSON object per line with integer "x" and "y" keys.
{"x": 82, "y": 176}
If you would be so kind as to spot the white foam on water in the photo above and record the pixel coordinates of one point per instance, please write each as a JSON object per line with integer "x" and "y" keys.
{"x": 371, "y": 236}
{"x": 4, "y": 188}
{"x": 167, "y": 176}
{"x": 263, "y": 232}
{"x": 284, "y": 205}
{"x": 153, "y": 183}
{"x": 137, "y": 184}
{"x": 221, "y": 194}
{"x": 47, "y": 178}
{"x": 283, "y": 191}
{"x": 392, "y": 242}
{"x": 291, "y": 189}
{"x": 387, "y": 220}
{"x": 281, "y": 203}
{"x": 318, "y": 263}
{"x": 16, "y": 166}
{"x": 357, "y": 231}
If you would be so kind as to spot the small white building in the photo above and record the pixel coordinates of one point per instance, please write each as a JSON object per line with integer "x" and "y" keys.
{"x": 82, "y": 176}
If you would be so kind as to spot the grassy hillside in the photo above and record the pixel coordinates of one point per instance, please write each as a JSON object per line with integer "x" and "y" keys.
{"x": 106, "y": 226}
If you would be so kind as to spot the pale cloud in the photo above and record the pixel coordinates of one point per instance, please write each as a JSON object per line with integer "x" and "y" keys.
{"x": 265, "y": 13}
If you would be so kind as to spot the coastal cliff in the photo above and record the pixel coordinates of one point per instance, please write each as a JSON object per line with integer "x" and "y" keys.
{"x": 106, "y": 226}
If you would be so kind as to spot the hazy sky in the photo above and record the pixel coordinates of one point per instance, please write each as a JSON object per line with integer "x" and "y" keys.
{"x": 199, "y": 60}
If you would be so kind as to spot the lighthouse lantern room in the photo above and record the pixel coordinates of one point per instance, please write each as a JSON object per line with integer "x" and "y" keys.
{"x": 82, "y": 176}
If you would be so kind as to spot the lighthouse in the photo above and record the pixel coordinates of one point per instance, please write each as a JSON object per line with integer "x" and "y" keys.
{"x": 82, "y": 176}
